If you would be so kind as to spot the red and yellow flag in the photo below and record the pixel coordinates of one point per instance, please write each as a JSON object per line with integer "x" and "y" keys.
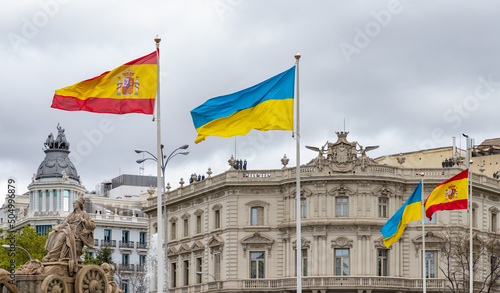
{"x": 449, "y": 195}
{"x": 130, "y": 88}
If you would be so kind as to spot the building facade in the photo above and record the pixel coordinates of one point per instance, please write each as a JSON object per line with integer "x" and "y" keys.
{"x": 239, "y": 227}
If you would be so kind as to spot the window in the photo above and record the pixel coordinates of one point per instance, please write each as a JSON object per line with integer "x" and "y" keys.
{"x": 47, "y": 200}
{"x": 430, "y": 264}
{"x": 493, "y": 222}
{"x": 124, "y": 285}
{"x": 382, "y": 262}
{"x": 217, "y": 265}
{"x": 474, "y": 217}
{"x": 107, "y": 237}
{"x": 303, "y": 263}
{"x": 142, "y": 259}
{"x": 43, "y": 230}
{"x": 40, "y": 200}
{"x": 217, "y": 219}
{"x": 342, "y": 262}
{"x": 125, "y": 236}
{"x": 198, "y": 224}
{"x": 173, "y": 230}
{"x": 66, "y": 200}
{"x": 174, "y": 275}
{"x": 186, "y": 272}
{"x": 186, "y": 227}
{"x": 342, "y": 207}
{"x": 143, "y": 239}
{"x": 303, "y": 208}
{"x": 382, "y": 207}
{"x": 125, "y": 259}
{"x": 199, "y": 268}
{"x": 54, "y": 200}
{"x": 257, "y": 262}
{"x": 257, "y": 216}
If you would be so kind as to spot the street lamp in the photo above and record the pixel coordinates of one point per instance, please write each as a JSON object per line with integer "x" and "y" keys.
{"x": 205, "y": 273}
{"x": 6, "y": 246}
{"x": 163, "y": 165}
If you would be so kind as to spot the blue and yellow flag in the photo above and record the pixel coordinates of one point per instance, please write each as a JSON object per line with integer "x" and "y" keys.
{"x": 410, "y": 211}
{"x": 265, "y": 106}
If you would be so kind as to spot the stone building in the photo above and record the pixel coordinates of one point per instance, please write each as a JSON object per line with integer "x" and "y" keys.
{"x": 240, "y": 226}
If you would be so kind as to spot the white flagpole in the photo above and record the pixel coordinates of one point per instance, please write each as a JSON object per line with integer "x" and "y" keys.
{"x": 469, "y": 197}
{"x": 159, "y": 249}
{"x": 424, "y": 280}
{"x": 297, "y": 190}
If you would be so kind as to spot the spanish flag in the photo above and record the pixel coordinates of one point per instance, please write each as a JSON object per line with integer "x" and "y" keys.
{"x": 265, "y": 106}
{"x": 129, "y": 88}
{"x": 449, "y": 195}
{"x": 410, "y": 211}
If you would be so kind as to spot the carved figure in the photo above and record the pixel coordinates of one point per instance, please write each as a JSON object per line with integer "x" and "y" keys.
{"x": 61, "y": 142}
{"x": 109, "y": 270}
{"x": 49, "y": 143}
{"x": 32, "y": 267}
{"x": 5, "y": 280}
{"x": 67, "y": 240}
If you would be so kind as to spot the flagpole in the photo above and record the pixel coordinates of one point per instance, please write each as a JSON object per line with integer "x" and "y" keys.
{"x": 159, "y": 249}
{"x": 469, "y": 197}
{"x": 424, "y": 280}
{"x": 297, "y": 189}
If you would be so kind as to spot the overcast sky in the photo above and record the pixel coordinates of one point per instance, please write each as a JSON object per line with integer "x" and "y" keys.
{"x": 405, "y": 75}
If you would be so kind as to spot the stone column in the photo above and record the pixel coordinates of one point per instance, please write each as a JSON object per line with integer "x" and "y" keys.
{"x": 359, "y": 247}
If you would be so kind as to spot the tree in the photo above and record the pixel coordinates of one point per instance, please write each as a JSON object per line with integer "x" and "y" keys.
{"x": 456, "y": 260}
{"x": 26, "y": 238}
{"x": 102, "y": 255}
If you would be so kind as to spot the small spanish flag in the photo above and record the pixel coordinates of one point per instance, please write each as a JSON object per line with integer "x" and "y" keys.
{"x": 129, "y": 88}
{"x": 449, "y": 195}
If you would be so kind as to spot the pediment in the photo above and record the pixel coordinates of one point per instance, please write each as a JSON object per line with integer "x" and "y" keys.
{"x": 304, "y": 243}
{"x": 172, "y": 251}
{"x": 215, "y": 241}
{"x": 197, "y": 245}
{"x": 257, "y": 238}
{"x": 304, "y": 192}
{"x": 341, "y": 190}
{"x": 184, "y": 248}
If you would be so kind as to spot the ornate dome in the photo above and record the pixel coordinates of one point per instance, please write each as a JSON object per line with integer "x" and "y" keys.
{"x": 57, "y": 163}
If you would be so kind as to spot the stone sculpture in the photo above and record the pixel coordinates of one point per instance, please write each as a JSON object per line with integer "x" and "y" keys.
{"x": 5, "y": 280}
{"x": 68, "y": 238}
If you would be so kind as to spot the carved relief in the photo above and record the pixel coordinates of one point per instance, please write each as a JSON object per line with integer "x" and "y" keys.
{"x": 342, "y": 242}
{"x": 256, "y": 240}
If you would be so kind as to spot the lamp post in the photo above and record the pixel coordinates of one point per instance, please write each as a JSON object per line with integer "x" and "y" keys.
{"x": 216, "y": 282}
{"x": 163, "y": 164}
{"x": 6, "y": 246}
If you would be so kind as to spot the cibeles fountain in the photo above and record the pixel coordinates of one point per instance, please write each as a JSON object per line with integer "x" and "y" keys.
{"x": 62, "y": 269}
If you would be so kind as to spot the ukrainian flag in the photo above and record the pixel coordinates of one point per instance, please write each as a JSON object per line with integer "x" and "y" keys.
{"x": 265, "y": 106}
{"x": 410, "y": 211}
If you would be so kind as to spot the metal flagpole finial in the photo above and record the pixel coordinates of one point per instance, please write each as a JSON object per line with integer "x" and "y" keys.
{"x": 297, "y": 56}
{"x": 157, "y": 39}
{"x": 421, "y": 174}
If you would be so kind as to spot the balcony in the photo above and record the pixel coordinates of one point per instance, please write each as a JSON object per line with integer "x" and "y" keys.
{"x": 387, "y": 283}
{"x": 96, "y": 242}
{"x": 126, "y": 267}
{"x": 108, "y": 243}
{"x": 126, "y": 244}
{"x": 141, "y": 268}
{"x": 142, "y": 245}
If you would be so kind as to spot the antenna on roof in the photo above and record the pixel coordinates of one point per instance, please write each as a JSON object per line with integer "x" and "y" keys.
{"x": 344, "y": 124}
